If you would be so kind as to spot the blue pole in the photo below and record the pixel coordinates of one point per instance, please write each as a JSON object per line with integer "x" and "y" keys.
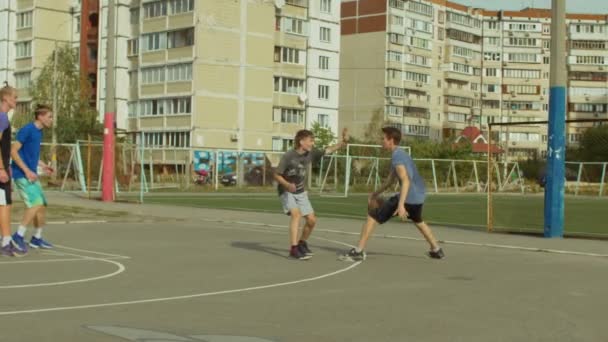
{"x": 556, "y": 146}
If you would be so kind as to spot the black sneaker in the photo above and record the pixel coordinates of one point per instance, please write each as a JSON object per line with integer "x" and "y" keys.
{"x": 296, "y": 253}
{"x": 353, "y": 256}
{"x": 438, "y": 254}
{"x": 303, "y": 246}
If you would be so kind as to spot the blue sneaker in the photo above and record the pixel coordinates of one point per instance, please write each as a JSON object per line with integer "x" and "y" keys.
{"x": 7, "y": 250}
{"x": 19, "y": 242}
{"x": 40, "y": 243}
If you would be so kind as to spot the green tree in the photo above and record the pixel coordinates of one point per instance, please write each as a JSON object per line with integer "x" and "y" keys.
{"x": 593, "y": 145}
{"x": 323, "y": 136}
{"x": 75, "y": 118}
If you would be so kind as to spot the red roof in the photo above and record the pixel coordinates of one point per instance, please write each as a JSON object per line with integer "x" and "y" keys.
{"x": 471, "y": 133}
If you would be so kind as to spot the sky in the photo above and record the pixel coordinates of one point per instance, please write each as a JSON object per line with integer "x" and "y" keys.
{"x": 572, "y": 6}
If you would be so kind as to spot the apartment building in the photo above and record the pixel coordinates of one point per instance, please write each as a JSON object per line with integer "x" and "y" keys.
{"x": 29, "y": 32}
{"x": 432, "y": 68}
{"x": 202, "y": 74}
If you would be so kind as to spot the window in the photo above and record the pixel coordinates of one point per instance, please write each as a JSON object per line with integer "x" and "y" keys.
{"x": 132, "y": 47}
{"x": 181, "y": 38}
{"x": 132, "y": 79}
{"x": 179, "y": 72}
{"x": 179, "y": 106}
{"x": 522, "y": 57}
{"x": 521, "y": 89}
{"x": 181, "y": 6}
{"x": 24, "y": 49}
{"x": 152, "y": 75}
{"x": 323, "y": 92}
{"x": 323, "y": 63}
{"x": 395, "y": 92}
{"x": 521, "y": 42}
{"x": 462, "y": 52}
{"x": 491, "y": 56}
{"x": 521, "y": 73}
{"x": 490, "y": 88}
{"x": 461, "y": 68}
{"x": 441, "y": 17}
{"x": 590, "y": 60}
{"x": 289, "y": 55}
{"x": 416, "y": 77}
{"x": 134, "y": 16}
{"x": 394, "y": 111}
{"x": 493, "y": 41}
{"x": 523, "y": 27}
{"x": 154, "y": 41}
{"x": 155, "y": 9}
{"x": 323, "y": 120}
{"x": 415, "y": 130}
{"x": 396, "y": 38}
{"x": 457, "y": 117}
{"x": 282, "y": 144}
{"x": 293, "y": 25}
{"x": 588, "y": 44}
{"x": 546, "y": 29}
{"x": 177, "y": 139}
{"x": 288, "y": 115}
{"x": 420, "y": 25}
{"x": 491, "y": 72}
{"x": 546, "y": 60}
{"x": 420, "y": 8}
{"x": 420, "y": 43}
{"x": 24, "y": 19}
{"x": 23, "y": 80}
{"x": 521, "y": 105}
{"x": 463, "y": 36}
{"x": 492, "y": 25}
{"x": 546, "y": 43}
{"x": 459, "y": 101}
{"x": 440, "y": 33}
{"x": 325, "y": 35}
{"x": 326, "y": 6}
{"x": 462, "y": 19}
{"x": 288, "y": 85}
{"x": 396, "y": 20}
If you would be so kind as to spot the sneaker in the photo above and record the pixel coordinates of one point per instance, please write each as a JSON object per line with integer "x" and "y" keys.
{"x": 296, "y": 253}
{"x": 353, "y": 256}
{"x": 438, "y": 254}
{"x": 303, "y": 246}
{"x": 7, "y": 250}
{"x": 40, "y": 243}
{"x": 19, "y": 242}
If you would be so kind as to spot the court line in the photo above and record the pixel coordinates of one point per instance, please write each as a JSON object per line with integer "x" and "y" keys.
{"x": 117, "y": 256}
{"x": 42, "y": 261}
{"x": 121, "y": 268}
{"x": 197, "y": 295}
{"x": 452, "y": 242}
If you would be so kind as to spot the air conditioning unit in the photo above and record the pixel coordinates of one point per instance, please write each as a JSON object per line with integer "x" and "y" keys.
{"x": 514, "y": 143}
{"x": 418, "y": 84}
{"x": 510, "y": 34}
{"x": 234, "y": 137}
{"x": 600, "y": 68}
{"x": 514, "y": 112}
{"x": 504, "y": 64}
{"x": 527, "y": 35}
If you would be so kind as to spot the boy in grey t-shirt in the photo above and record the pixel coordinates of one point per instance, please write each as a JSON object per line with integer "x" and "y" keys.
{"x": 407, "y": 204}
{"x": 291, "y": 178}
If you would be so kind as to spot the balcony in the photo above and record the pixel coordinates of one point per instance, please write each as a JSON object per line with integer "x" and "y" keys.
{"x": 299, "y": 3}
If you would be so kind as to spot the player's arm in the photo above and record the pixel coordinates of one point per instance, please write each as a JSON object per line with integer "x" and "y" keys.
{"x": 46, "y": 167}
{"x": 387, "y": 184}
{"x": 3, "y": 173}
{"x": 278, "y": 176}
{"x": 341, "y": 144}
{"x": 29, "y": 174}
{"x": 405, "y": 187}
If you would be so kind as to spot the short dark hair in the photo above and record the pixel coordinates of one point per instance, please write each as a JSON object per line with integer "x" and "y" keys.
{"x": 41, "y": 110}
{"x": 392, "y": 133}
{"x": 301, "y": 134}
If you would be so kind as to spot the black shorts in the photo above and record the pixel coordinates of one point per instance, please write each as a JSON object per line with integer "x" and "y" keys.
{"x": 386, "y": 211}
{"x": 7, "y": 189}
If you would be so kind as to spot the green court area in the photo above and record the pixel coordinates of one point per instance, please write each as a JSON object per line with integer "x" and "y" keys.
{"x": 512, "y": 212}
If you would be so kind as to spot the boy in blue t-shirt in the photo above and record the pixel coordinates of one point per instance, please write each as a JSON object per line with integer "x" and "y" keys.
{"x": 405, "y": 204}
{"x": 26, "y": 159}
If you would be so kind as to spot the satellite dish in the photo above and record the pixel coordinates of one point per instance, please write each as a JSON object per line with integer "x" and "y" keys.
{"x": 303, "y": 97}
{"x": 279, "y": 3}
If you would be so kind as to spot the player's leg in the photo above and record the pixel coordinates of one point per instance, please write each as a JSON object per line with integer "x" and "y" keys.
{"x": 415, "y": 214}
{"x": 38, "y": 198}
{"x": 290, "y": 207}
{"x": 310, "y": 223}
{"x": 8, "y": 247}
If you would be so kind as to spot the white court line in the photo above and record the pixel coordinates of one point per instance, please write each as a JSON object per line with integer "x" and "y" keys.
{"x": 121, "y": 268}
{"x": 452, "y": 242}
{"x": 196, "y": 295}
{"x": 117, "y": 256}
{"x": 42, "y": 261}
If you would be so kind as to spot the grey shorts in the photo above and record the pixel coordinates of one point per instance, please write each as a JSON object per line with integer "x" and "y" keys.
{"x": 296, "y": 201}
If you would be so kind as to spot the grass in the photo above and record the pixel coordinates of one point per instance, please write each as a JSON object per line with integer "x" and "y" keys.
{"x": 524, "y": 213}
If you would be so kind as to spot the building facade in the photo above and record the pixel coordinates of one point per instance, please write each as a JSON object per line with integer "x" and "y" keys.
{"x": 433, "y": 68}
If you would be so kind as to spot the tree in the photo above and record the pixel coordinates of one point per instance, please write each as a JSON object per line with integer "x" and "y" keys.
{"x": 323, "y": 136}
{"x": 593, "y": 145}
{"x": 75, "y": 119}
